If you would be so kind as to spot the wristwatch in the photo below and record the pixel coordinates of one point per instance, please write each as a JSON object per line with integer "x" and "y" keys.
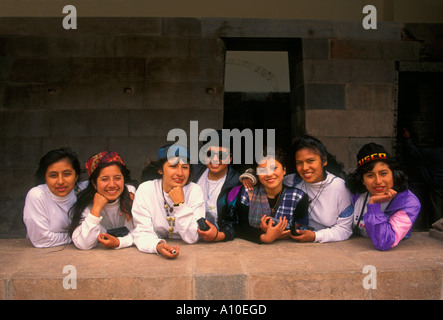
{"x": 178, "y": 204}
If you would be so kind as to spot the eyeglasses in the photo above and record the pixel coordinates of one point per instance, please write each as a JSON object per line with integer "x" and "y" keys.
{"x": 221, "y": 155}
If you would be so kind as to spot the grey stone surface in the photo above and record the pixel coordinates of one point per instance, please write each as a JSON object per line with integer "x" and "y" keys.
{"x": 237, "y": 270}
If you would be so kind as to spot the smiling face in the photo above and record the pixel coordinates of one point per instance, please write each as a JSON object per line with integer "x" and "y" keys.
{"x": 110, "y": 182}
{"x": 270, "y": 174}
{"x": 378, "y": 180}
{"x": 310, "y": 165}
{"x": 175, "y": 174}
{"x": 61, "y": 177}
{"x": 217, "y": 161}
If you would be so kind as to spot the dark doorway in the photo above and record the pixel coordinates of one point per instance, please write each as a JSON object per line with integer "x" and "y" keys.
{"x": 258, "y": 108}
{"x": 420, "y": 112}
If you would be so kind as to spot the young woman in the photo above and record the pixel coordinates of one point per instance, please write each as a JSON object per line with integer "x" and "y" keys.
{"x": 384, "y": 208}
{"x": 102, "y": 212}
{"x": 47, "y": 205}
{"x": 216, "y": 178}
{"x": 319, "y": 176}
{"x": 330, "y": 208}
{"x": 168, "y": 206}
{"x": 266, "y": 212}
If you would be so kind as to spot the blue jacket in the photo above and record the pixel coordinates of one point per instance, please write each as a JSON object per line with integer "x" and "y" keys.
{"x": 227, "y": 220}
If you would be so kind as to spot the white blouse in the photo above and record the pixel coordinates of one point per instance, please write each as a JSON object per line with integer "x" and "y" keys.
{"x": 46, "y": 216}
{"x": 149, "y": 214}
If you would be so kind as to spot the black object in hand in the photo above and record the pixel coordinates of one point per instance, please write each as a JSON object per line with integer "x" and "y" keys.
{"x": 202, "y": 224}
{"x": 118, "y": 232}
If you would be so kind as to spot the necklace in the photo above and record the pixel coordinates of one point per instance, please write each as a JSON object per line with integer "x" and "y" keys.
{"x": 169, "y": 219}
{"x": 209, "y": 192}
{"x": 275, "y": 204}
{"x": 314, "y": 200}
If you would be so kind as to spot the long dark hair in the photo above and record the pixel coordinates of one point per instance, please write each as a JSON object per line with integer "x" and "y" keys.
{"x": 86, "y": 196}
{"x": 333, "y": 166}
{"x": 54, "y": 156}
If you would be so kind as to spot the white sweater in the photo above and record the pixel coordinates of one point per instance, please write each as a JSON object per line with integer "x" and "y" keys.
{"x": 331, "y": 211}
{"x": 149, "y": 215}
{"x": 46, "y": 216}
{"x": 85, "y": 235}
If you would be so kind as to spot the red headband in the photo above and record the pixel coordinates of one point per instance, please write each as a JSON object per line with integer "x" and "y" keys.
{"x": 102, "y": 157}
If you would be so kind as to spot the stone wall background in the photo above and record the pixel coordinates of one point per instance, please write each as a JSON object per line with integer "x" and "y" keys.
{"x": 122, "y": 83}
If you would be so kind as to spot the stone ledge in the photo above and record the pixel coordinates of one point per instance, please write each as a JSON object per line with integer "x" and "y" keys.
{"x": 237, "y": 270}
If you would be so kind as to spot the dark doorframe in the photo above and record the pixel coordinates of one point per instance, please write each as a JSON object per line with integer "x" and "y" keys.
{"x": 277, "y": 111}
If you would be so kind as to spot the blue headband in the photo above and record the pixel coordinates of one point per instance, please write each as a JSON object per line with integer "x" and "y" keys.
{"x": 176, "y": 150}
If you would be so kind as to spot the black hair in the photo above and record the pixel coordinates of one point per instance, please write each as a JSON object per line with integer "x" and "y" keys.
{"x": 333, "y": 165}
{"x": 224, "y": 140}
{"x": 354, "y": 180}
{"x": 54, "y": 156}
{"x": 279, "y": 154}
{"x": 86, "y": 196}
{"x": 151, "y": 168}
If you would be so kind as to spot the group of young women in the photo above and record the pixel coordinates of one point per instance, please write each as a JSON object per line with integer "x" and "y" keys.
{"x": 213, "y": 202}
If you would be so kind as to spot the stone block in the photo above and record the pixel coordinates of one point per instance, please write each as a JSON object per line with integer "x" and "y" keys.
{"x": 5, "y": 68}
{"x": 350, "y": 123}
{"x": 23, "y": 46}
{"x": 84, "y": 46}
{"x": 206, "y": 47}
{"x": 91, "y": 123}
{"x": 37, "y": 26}
{"x": 292, "y": 28}
{"x": 150, "y": 123}
{"x": 370, "y": 96}
{"x": 24, "y": 96}
{"x": 85, "y": 147}
{"x": 354, "y": 71}
{"x": 315, "y": 48}
{"x": 19, "y": 152}
{"x": 375, "y": 50}
{"x": 135, "y": 151}
{"x": 148, "y": 46}
{"x": 178, "y": 95}
{"x": 324, "y": 96}
{"x": 283, "y": 270}
{"x": 33, "y": 69}
{"x": 184, "y": 70}
{"x": 219, "y": 276}
{"x": 79, "y": 95}
{"x": 339, "y": 147}
{"x": 16, "y": 182}
{"x": 436, "y": 234}
{"x": 181, "y": 27}
{"x": 24, "y": 123}
{"x": 116, "y": 69}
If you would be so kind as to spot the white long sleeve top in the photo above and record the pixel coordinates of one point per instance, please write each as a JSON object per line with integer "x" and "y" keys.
{"x": 46, "y": 216}
{"x": 86, "y": 234}
{"x": 149, "y": 214}
{"x": 330, "y": 210}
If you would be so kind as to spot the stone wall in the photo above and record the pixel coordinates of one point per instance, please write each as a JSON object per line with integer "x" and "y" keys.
{"x": 122, "y": 83}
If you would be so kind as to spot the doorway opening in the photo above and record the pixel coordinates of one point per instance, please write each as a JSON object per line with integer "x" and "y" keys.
{"x": 420, "y": 113}
{"x": 259, "y": 88}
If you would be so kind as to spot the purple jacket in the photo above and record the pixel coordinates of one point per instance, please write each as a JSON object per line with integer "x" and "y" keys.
{"x": 386, "y": 229}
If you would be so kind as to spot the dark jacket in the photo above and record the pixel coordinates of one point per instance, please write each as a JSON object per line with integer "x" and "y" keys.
{"x": 227, "y": 220}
